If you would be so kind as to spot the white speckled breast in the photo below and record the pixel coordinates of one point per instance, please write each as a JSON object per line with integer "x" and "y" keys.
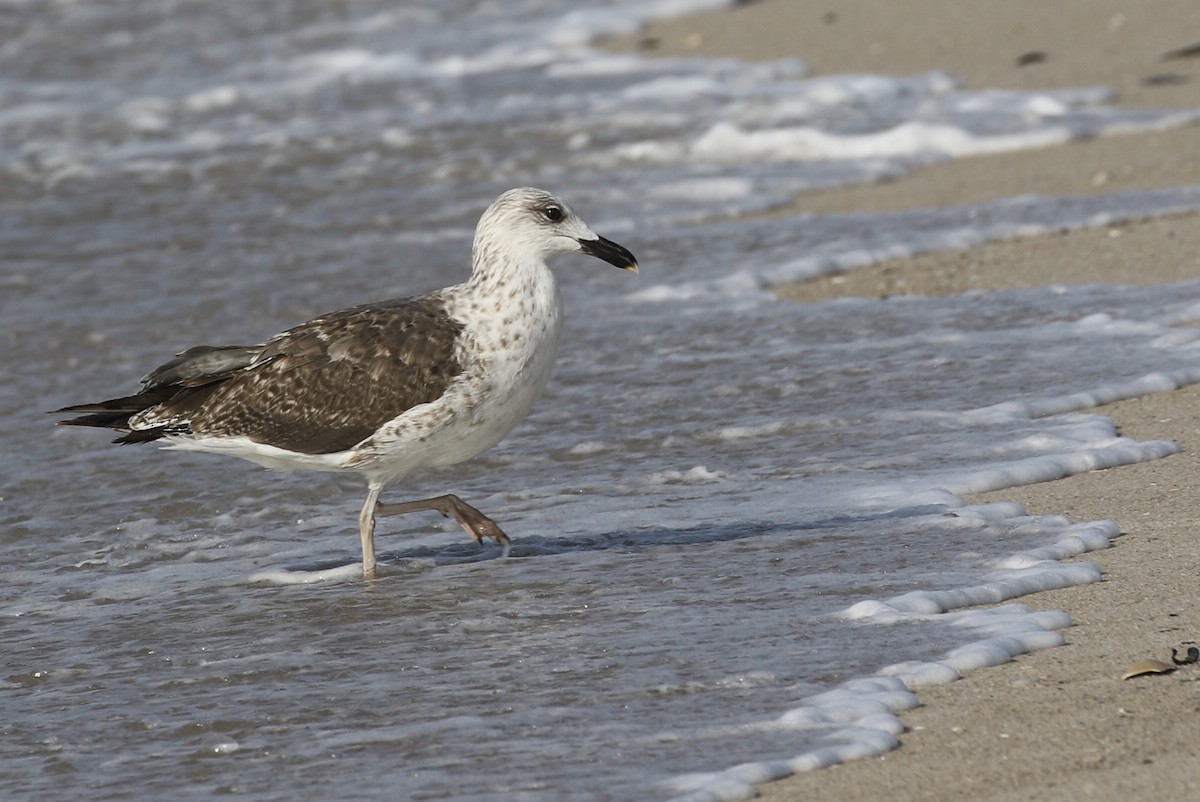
{"x": 512, "y": 324}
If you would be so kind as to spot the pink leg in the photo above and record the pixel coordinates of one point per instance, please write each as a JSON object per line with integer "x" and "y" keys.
{"x": 366, "y": 531}
{"x": 475, "y": 522}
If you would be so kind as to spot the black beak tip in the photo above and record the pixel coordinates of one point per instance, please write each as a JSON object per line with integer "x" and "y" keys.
{"x": 611, "y": 252}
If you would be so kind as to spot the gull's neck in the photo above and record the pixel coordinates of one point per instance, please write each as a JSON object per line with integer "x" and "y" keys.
{"x": 499, "y": 273}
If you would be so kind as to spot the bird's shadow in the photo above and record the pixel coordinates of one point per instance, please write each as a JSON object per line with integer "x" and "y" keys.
{"x": 623, "y": 541}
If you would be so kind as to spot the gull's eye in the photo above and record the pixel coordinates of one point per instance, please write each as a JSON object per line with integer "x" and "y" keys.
{"x": 553, "y": 213}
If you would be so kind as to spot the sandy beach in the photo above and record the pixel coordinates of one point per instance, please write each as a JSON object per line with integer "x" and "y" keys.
{"x": 1059, "y": 724}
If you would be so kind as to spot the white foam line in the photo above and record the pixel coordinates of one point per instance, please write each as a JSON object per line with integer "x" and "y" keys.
{"x": 1047, "y": 468}
{"x": 1080, "y": 213}
{"x": 865, "y": 712}
{"x": 862, "y": 715}
{"x": 282, "y": 576}
{"x": 1086, "y": 399}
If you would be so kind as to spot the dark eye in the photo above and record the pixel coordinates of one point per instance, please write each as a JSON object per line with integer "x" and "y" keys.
{"x": 553, "y": 213}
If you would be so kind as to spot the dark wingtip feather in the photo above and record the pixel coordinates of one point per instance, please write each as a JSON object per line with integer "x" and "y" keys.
{"x": 115, "y": 420}
{"x": 107, "y": 419}
{"x": 88, "y": 420}
{"x": 115, "y": 412}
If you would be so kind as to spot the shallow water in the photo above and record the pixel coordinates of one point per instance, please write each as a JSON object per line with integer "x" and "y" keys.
{"x": 737, "y": 522}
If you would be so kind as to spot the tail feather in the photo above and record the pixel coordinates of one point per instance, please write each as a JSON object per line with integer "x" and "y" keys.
{"x": 116, "y": 412}
{"x": 190, "y": 376}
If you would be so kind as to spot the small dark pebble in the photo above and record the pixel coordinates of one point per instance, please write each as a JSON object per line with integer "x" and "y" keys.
{"x": 1190, "y": 51}
{"x": 1192, "y": 656}
{"x": 1165, "y": 79}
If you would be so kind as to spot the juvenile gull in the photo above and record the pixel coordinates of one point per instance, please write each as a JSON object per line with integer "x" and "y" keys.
{"x": 383, "y": 389}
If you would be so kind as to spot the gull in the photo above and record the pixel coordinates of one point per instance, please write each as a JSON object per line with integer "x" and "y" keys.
{"x": 384, "y": 389}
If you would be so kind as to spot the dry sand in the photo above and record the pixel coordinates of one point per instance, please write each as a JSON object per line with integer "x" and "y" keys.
{"x": 1060, "y": 724}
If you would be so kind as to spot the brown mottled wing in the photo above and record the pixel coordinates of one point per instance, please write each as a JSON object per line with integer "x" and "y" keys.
{"x": 330, "y": 383}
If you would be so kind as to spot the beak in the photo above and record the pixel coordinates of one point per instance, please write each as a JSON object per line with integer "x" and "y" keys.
{"x": 610, "y": 252}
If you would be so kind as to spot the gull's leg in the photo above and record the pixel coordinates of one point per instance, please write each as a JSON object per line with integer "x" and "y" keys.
{"x": 475, "y": 522}
{"x": 366, "y": 530}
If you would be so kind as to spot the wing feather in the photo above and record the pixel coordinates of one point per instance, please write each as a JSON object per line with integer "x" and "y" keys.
{"x": 318, "y": 388}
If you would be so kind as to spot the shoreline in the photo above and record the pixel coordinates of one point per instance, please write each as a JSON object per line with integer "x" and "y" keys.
{"x": 1019, "y": 44}
{"x": 1058, "y": 723}
{"x": 1061, "y": 723}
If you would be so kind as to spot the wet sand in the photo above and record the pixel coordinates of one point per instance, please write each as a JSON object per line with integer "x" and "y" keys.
{"x": 1059, "y": 724}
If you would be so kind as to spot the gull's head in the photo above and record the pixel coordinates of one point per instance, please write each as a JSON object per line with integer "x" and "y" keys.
{"x": 529, "y": 223}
